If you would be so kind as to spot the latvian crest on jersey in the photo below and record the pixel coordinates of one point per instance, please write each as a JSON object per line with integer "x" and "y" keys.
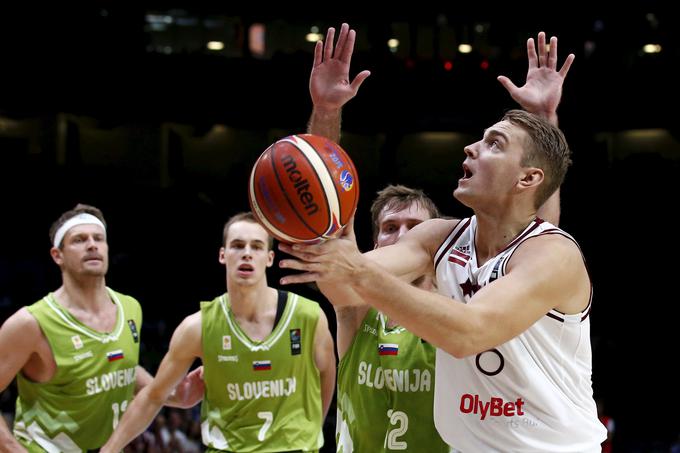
{"x": 262, "y": 365}
{"x": 388, "y": 349}
{"x": 459, "y": 256}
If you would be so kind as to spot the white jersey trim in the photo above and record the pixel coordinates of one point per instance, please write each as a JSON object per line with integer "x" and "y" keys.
{"x": 101, "y": 337}
{"x": 278, "y": 329}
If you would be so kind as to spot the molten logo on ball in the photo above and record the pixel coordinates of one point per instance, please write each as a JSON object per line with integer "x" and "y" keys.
{"x": 301, "y": 185}
{"x": 303, "y": 188}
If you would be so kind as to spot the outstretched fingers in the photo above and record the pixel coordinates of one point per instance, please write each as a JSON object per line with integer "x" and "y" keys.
{"x": 345, "y": 54}
{"x": 531, "y": 53}
{"x": 567, "y": 64}
{"x": 305, "y": 262}
{"x": 342, "y": 41}
{"x": 328, "y": 45}
{"x": 359, "y": 79}
{"x": 542, "y": 59}
{"x": 300, "y": 251}
{"x": 508, "y": 85}
{"x": 318, "y": 54}
{"x": 552, "y": 55}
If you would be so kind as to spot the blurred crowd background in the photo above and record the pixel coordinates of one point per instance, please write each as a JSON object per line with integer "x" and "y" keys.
{"x": 156, "y": 113}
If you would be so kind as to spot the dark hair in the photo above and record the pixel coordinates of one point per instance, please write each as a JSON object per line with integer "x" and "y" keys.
{"x": 399, "y": 197}
{"x": 244, "y": 217}
{"x": 79, "y": 209}
{"x": 547, "y": 149}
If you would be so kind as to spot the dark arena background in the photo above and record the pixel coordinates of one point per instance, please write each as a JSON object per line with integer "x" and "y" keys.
{"x": 130, "y": 109}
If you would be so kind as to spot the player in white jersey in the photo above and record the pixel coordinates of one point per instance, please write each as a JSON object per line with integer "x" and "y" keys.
{"x": 536, "y": 386}
{"x": 513, "y": 327}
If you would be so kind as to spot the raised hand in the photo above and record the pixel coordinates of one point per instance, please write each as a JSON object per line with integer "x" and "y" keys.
{"x": 542, "y": 91}
{"x": 329, "y": 83}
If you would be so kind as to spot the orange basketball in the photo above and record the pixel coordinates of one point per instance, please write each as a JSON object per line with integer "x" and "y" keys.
{"x": 303, "y": 188}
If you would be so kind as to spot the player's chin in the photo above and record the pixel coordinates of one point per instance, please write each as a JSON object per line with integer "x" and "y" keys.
{"x": 463, "y": 195}
{"x": 96, "y": 272}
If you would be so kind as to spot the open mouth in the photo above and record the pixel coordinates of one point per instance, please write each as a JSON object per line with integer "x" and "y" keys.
{"x": 246, "y": 268}
{"x": 467, "y": 173}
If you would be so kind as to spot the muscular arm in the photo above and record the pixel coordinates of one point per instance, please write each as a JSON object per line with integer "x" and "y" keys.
{"x": 19, "y": 337}
{"x": 142, "y": 378}
{"x": 324, "y": 357}
{"x": 185, "y": 346}
{"x": 546, "y": 272}
{"x": 404, "y": 259}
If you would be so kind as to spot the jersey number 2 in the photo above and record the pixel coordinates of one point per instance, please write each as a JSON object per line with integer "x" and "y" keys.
{"x": 397, "y": 417}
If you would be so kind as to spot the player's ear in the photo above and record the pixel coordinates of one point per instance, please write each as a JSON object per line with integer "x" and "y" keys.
{"x": 270, "y": 258}
{"x": 532, "y": 177}
{"x": 221, "y": 258}
{"x": 55, "y": 253}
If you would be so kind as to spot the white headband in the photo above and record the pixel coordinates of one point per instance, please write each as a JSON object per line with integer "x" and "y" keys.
{"x": 79, "y": 219}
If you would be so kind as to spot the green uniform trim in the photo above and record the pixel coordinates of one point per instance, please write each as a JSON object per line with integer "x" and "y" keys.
{"x": 386, "y": 391}
{"x": 79, "y": 407}
{"x": 261, "y": 396}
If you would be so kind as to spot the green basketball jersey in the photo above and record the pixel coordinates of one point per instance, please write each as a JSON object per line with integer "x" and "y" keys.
{"x": 261, "y": 396}
{"x": 79, "y": 407}
{"x": 386, "y": 391}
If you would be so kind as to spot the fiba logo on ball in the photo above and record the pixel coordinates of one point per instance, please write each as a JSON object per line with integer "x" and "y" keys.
{"x": 346, "y": 180}
{"x": 303, "y": 188}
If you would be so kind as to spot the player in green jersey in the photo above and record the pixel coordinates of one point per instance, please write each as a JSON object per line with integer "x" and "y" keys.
{"x": 385, "y": 374}
{"x": 75, "y": 352}
{"x": 269, "y": 366}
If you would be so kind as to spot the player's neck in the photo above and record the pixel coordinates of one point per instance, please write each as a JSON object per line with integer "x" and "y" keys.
{"x": 87, "y": 294}
{"x": 251, "y": 302}
{"x": 494, "y": 233}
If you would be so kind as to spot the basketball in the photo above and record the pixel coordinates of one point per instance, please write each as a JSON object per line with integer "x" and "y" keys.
{"x": 303, "y": 189}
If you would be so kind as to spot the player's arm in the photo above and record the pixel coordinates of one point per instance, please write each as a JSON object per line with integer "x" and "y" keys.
{"x": 406, "y": 259}
{"x": 188, "y": 392}
{"x": 142, "y": 378}
{"x": 19, "y": 336}
{"x": 185, "y": 346}
{"x": 324, "y": 358}
{"x": 329, "y": 83}
{"x": 541, "y": 95}
{"x": 545, "y": 272}
{"x": 350, "y": 310}
{"x": 348, "y": 320}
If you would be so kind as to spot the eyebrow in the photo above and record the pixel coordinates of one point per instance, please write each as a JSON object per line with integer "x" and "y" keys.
{"x": 238, "y": 240}
{"x": 491, "y": 132}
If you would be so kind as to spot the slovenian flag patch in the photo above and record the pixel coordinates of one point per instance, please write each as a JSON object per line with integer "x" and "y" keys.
{"x": 388, "y": 349}
{"x": 262, "y": 365}
{"x": 112, "y": 356}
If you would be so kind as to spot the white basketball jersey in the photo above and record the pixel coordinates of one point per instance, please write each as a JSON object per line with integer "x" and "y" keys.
{"x": 530, "y": 394}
